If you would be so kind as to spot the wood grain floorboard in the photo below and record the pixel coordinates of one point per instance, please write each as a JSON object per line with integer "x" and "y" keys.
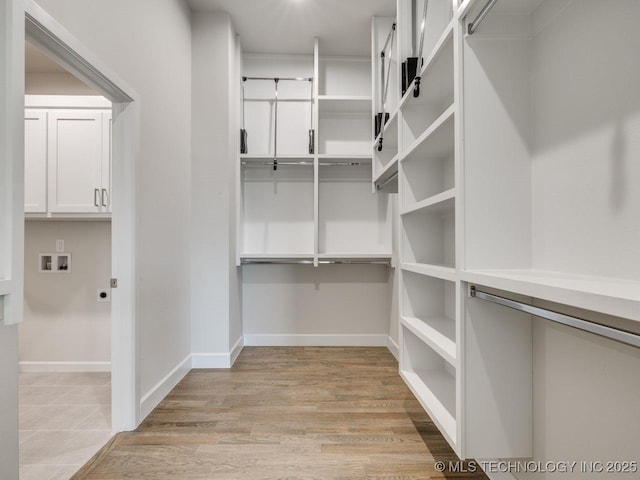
{"x": 299, "y": 413}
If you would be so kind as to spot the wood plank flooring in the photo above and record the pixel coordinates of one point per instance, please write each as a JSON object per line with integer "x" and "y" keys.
{"x": 284, "y": 413}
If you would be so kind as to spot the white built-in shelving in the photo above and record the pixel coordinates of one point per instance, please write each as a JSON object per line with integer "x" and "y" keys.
{"x": 513, "y": 176}
{"x": 314, "y": 204}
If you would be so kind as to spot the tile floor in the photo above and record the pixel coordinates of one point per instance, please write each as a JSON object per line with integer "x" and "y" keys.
{"x": 65, "y": 418}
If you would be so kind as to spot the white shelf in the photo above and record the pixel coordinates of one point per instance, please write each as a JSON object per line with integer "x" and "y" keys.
{"x": 605, "y": 295}
{"x": 437, "y": 141}
{"x": 435, "y": 390}
{"x": 437, "y": 332}
{"x": 439, "y": 68}
{"x": 372, "y": 256}
{"x": 269, "y": 157}
{"x": 438, "y": 203}
{"x": 443, "y": 272}
{"x": 280, "y": 99}
{"x": 344, "y": 104}
{"x": 342, "y": 157}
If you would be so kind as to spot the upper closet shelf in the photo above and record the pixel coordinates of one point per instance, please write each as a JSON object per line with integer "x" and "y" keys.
{"x": 339, "y": 158}
{"x": 600, "y": 294}
{"x": 344, "y": 104}
{"x": 436, "y": 73}
{"x": 389, "y": 132}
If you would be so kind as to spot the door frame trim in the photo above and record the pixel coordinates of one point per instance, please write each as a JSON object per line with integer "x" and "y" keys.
{"x": 43, "y": 31}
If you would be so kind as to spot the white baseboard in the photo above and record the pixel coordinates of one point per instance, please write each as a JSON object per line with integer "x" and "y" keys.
{"x": 217, "y": 360}
{"x": 313, "y": 340}
{"x": 393, "y": 347}
{"x": 236, "y": 350}
{"x": 64, "y": 366}
{"x": 154, "y": 396}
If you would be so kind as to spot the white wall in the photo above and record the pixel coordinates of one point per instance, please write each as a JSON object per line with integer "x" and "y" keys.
{"x": 215, "y": 292}
{"x": 330, "y": 304}
{"x": 586, "y": 398}
{"x": 148, "y": 44}
{"x": 63, "y": 322}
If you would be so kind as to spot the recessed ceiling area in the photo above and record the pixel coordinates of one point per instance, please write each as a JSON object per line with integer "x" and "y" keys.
{"x": 289, "y": 26}
{"x": 38, "y": 62}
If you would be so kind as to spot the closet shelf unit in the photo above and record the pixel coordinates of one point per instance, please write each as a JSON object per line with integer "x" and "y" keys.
{"x": 617, "y": 297}
{"x": 312, "y": 208}
{"x": 488, "y": 155}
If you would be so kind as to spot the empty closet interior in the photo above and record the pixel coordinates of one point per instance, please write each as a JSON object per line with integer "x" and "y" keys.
{"x": 481, "y": 151}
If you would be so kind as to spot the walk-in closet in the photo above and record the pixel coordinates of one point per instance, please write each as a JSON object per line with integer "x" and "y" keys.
{"x": 364, "y": 239}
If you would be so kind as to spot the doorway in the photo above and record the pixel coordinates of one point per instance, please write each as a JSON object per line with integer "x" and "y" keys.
{"x": 48, "y": 36}
{"x": 65, "y": 335}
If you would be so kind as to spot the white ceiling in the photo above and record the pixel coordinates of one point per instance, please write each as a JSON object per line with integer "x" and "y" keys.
{"x": 289, "y": 26}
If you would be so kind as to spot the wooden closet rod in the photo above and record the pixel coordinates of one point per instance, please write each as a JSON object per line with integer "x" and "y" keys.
{"x": 617, "y": 334}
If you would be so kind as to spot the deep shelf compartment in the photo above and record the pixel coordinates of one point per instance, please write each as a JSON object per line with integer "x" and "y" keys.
{"x": 429, "y": 311}
{"x": 344, "y": 133}
{"x": 429, "y": 163}
{"x": 436, "y": 92}
{"x": 277, "y": 210}
{"x": 428, "y": 234}
{"x": 432, "y": 380}
{"x": 344, "y": 76}
{"x": 351, "y": 220}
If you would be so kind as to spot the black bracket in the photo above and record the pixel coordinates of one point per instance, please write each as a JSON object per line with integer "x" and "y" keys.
{"x": 416, "y": 86}
{"x": 275, "y": 164}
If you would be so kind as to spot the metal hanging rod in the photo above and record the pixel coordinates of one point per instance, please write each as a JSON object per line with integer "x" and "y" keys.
{"x": 295, "y": 261}
{"x": 392, "y": 177}
{"x": 303, "y": 162}
{"x": 355, "y": 261}
{"x": 601, "y": 330}
{"x": 473, "y": 26}
{"x": 278, "y": 261}
{"x": 273, "y": 79}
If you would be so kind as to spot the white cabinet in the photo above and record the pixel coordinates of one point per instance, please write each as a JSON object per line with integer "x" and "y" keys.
{"x": 78, "y": 167}
{"x": 67, "y": 157}
{"x": 35, "y": 161}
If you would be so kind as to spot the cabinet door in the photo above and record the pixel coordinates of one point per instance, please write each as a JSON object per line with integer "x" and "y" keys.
{"x": 75, "y": 161}
{"x": 35, "y": 161}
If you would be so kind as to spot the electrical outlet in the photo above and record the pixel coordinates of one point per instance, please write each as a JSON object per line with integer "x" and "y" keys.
{"x": 59, "y": 246}
{"x": 103, "y": 295}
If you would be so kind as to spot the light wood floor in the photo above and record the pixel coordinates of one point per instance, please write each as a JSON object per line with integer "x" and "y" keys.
{"x": 284, "y": 413}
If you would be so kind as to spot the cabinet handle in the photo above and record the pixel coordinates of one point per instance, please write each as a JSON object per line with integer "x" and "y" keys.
{"x": 96, "y": 192}
{"x": 104, "y": 194}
